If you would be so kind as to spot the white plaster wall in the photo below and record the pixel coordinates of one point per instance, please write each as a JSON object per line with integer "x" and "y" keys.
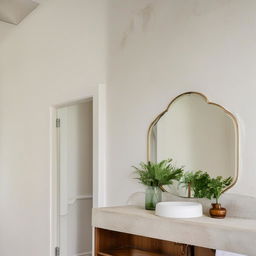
{"x": 5, "y": 29}
{"x": 156, "y": 50}
{"x": 49, "y": 58}
{"x": 159, "y": 49}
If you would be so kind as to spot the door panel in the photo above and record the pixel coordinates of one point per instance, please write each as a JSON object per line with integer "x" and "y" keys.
{"x": 75, "y": 179}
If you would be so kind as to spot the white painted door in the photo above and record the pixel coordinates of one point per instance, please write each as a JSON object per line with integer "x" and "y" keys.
{"x": 75, "y": 179}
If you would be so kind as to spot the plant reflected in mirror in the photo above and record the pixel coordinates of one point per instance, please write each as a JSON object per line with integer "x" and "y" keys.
{"x": 199, "y": 184}
{"x": 195, "y": 183}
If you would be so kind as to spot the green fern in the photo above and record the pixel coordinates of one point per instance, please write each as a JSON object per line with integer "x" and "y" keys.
{"x": 196, "y": 182}
{"x": 203, "y": 185}
{"x": 216, "y": 186}
{"x": 187, "y": 181}
{"x": 200, "y": 184}
{"x": 158, "y": 174}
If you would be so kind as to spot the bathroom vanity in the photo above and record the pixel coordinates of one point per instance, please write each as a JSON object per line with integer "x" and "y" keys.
{"x": 199, "y": 135}
{"x": 131, "y": 230}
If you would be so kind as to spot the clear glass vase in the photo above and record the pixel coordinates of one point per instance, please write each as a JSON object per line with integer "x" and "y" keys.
{"x": 153, "y": 196}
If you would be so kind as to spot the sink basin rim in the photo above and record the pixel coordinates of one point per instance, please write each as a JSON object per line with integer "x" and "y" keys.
{"x": 179, "y": 209}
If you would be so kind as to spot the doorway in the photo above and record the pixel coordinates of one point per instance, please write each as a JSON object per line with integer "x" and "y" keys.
{"x": 97, "y": 96}
{"x": 74, "y": 124}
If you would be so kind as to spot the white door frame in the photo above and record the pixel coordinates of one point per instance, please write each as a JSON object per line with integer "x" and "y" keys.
{"x": 98, "y": 95}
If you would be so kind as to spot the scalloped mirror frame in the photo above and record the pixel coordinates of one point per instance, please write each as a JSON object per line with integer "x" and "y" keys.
{"x": 210, "y": 103}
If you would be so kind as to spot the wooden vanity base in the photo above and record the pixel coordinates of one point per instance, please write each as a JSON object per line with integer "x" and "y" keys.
{"x": 112, "y": 243}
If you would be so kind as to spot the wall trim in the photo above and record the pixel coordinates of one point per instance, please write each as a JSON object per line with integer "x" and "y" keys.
{"x": 82, "y": 197}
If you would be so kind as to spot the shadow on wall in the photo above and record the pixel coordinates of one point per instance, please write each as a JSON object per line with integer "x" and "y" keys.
{"x": 14, "y": 11}
{"x": 142, "y": 17}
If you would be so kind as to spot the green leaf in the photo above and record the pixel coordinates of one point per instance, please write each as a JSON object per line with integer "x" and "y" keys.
{"x": 217, "y": 185}
{"x": 158, "y": 174}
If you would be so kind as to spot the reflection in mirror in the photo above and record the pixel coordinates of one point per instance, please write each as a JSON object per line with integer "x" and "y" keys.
{"x": 196, "y": 134}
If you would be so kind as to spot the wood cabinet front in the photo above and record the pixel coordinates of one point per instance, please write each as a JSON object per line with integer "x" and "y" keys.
{"x": 112, "y": 243}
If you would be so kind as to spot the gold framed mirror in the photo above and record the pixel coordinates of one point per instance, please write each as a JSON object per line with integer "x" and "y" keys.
{"x": 198, "y": 135}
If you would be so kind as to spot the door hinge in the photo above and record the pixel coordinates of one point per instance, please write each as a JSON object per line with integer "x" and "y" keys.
{"x": 57, "y": 251}
{"x": 57, "y": 122}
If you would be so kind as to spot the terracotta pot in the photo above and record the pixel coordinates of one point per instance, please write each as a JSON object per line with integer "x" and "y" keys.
{"x": 217, "y": 211}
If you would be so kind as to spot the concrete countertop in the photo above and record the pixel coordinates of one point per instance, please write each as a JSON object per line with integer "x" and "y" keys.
{"x": 229, "y": 234}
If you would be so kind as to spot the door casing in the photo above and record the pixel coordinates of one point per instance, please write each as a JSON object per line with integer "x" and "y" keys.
{"x": 98, "y": 96}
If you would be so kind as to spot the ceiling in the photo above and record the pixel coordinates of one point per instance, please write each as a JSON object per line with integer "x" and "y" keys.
{"x": 14, "y": 11}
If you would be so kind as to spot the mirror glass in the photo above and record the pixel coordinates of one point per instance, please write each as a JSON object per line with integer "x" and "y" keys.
{"x": 197, "y": 135}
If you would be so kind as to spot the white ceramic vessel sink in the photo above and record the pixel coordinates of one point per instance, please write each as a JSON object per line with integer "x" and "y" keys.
{"x": 179, "y": 209}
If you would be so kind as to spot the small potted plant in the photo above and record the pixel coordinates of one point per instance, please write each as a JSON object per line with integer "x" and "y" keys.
{"x": 215, "y": 189}
{"x": 155, "y": 176}
{"x": 195, "y": 183}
